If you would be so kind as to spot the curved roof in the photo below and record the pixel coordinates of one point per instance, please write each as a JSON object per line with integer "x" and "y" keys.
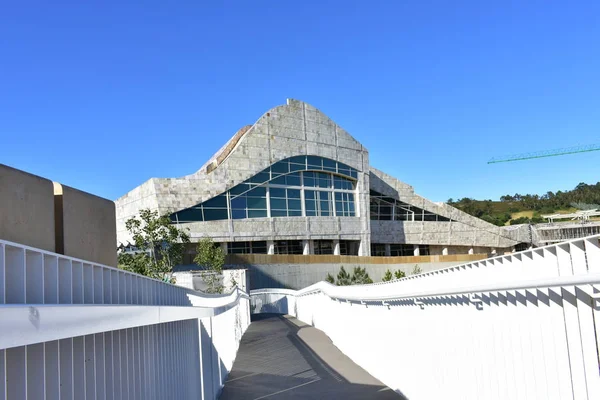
{"x": 295, "y": 128}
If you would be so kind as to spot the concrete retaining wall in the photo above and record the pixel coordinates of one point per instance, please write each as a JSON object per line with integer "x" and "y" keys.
{"x": 193, "y": 279}
{"x": 299, "y": 276}
{"x": 89, "y": 227}
{"x": 43, "y": 214}
{"x": 26, "y": 209}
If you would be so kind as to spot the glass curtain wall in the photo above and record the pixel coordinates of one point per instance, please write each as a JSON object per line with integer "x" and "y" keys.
{"x": 294, "y": 187}
{"x": 385, "y": 208}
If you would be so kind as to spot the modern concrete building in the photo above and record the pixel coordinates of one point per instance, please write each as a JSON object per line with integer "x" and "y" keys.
{"x": 295, "y": 182}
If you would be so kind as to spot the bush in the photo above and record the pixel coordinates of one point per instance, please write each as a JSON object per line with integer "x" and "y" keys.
{"x": 360, "y": 277}
{"x": 343, "y": 278}
{"x": 329, "y": 278}
{"x": 387, "y": 276}
{"x": 399, "y": 274}
{"x": 212, "y": 257}
{"x": 416, "y": 270}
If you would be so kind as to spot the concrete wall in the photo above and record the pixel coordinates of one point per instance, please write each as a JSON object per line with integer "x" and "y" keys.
{"x": 43, "y": 214}
{"x": 193, "y": 279}
{"x": 89, "y": 227}
{"x": 299, "y": 276}
{"x": 26, "y": 209}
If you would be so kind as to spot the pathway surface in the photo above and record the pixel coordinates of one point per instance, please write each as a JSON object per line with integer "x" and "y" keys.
{"x": 283, "y": 358}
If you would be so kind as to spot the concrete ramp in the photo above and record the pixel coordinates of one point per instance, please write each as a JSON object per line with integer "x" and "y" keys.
{"x": 283, "y": 358}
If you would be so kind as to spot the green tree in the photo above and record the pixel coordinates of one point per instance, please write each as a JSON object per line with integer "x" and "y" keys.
{"x": 360, "y": 276}
{"x": 416, "y": 270}
{"x": 387, "y": 276}
{"x": 212, "y": 257}
{"x": 399, "y": 274}
{"x": 343, "y": 278}
{"x": 159, "y": 245}
{"x": 330, "y": 279}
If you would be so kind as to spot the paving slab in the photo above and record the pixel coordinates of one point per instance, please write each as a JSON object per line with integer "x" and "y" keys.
{"x": 282, "y": 358}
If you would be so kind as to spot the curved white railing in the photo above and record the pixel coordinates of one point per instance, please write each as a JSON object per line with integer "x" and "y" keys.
{"x": 516, "y": 326}
{"x": 71, "y": 329}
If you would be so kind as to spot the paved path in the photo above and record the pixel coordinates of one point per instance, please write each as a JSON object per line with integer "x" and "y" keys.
{"x": 283, "y": 358}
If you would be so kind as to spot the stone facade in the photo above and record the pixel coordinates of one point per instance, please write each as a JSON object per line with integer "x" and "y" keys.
{"x": 295, "y": 129}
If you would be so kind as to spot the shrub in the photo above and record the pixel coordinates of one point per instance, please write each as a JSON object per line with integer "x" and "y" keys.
{"x": 360, "y": 276}
{"x": 329, "y": 278}
{"x": 343, "y": 278}
{"x": 387, "y": 276}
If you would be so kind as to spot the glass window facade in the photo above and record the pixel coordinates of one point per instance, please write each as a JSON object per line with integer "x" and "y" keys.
{"x": 259, "y": 247}
{"x": 323, "y": 246}
{"x": 294, "y": 187}
{"x": 288, "y": 247}
{"x": 397, "y": 250}
{"x": 349, "y": 247}
{"x": 385, "y": 208}
{"x": 423, "y": 249}
{"x": 377, "y": 249}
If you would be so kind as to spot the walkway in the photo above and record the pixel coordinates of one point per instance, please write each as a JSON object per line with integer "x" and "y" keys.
{"x": 283, "y": 358}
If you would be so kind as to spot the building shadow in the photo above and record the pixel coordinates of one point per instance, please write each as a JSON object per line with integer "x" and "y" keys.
{"x": 274, "y": 362}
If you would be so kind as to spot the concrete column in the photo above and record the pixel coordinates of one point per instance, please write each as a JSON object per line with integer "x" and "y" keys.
{"x": 364, "y": 249}
{"x": 388, "y": 252}
{"x": 224, "y": 247}
{"x": 306, "y": 247}
{"x": 444, "y": 251}
{"x": 416, "y": 251}
{"x": 471, "y": 251}
{"x": 336, "y": 247}
{"x": 270, "y": 247}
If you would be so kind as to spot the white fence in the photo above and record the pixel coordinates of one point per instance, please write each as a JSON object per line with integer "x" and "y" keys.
{"x": 70, "y": 329}
{"x": 520, "y": 326}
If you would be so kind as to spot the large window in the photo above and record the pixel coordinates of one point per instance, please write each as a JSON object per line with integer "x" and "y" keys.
{"x": 323, "y": 246}
{"x": 377, "y": 249}
{"x": 288, "y": 247}
{"x": 385, "y": 208}
{"x": 423, "y": 249}
{"x": 402, "y": 250}
{"x": 326, "y": 186}
{"x": 349, "y": 247}
{"x": 259, "y": 247}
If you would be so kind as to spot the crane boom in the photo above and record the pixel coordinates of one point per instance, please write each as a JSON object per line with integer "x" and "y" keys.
{"x": 546, "y": 153}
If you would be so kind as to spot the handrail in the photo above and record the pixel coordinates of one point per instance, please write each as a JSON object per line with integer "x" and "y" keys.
{"x": 490, "y": 259}
{"x": 577, "y": 280}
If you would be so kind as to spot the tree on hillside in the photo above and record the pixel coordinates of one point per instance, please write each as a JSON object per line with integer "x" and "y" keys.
{"x": 212, "y": 257}
{"x": 547, "y": 203}
{"x": 343, "y": 278}
{"x": 159, "y": 245}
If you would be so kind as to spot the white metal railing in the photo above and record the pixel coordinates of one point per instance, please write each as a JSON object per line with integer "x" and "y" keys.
{"x": 71, "y": 329}
{"x": 524, "y": 325}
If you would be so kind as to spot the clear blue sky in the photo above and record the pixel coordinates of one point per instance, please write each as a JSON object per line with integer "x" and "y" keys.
{"x": 103, "y": 95}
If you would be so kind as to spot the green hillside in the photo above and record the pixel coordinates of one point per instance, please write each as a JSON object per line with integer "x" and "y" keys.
{"x": 528, "y": 208}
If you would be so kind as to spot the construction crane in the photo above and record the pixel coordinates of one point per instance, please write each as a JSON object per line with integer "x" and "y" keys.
{"x": 546, "y": 153}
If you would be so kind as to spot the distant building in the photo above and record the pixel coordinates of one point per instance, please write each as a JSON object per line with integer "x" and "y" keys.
{"x": 297, "y": 183}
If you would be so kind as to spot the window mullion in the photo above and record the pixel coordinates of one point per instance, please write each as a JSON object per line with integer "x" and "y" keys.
{"x": 268, "y": 201}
